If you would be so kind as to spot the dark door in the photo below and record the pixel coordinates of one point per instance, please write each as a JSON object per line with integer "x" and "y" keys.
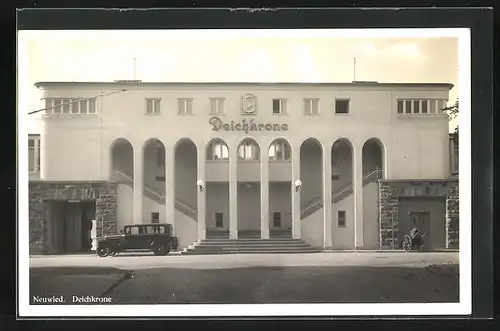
{"x": 421, "y": 221}
{"x": 219, "y": 220}
{"x": 277, "y": 220}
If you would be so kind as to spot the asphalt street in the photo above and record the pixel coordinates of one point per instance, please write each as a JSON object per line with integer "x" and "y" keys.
{"x": 239, "y": 279}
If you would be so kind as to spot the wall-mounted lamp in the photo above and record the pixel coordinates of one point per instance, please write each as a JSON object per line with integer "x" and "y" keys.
{"x": 200, "y": 184}
{"x": 298, "y": 184}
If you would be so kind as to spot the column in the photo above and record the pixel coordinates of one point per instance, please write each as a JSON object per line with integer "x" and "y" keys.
{"x": 264, "y": 195}
{"x": 170, "y": 187}
{"x": 327, "y": 198}
{"x": 358, "y": 195}
{"x": 296, "y": 221}
{"x": 138, "y": 183}
{"x": 233, "y": 194}
{"x": 202, "y": 194}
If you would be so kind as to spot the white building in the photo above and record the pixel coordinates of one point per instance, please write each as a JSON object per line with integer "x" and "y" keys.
{"x": 338, "y": 165}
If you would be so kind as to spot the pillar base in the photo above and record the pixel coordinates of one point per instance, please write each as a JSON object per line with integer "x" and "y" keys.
{"x": 233, "y": 234}
{"x": 264, "y": 235}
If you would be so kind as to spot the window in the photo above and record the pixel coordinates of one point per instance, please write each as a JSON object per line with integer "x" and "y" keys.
{"x": 155, "y": 217}
{"x": 424, "y": 104}
{"x": 153, "y": 107}
{"x": 216, "y": 106}
{"x": 408, "y": 106}
{"x": 217, "y": 150}
{"x": 341, "y": 218}
{"x": 91, "y": 109}
{"x": 74, "y": 106}
{"x": 248, "y": 151}
{"x": 70, "y": 106}
{"x": 185, "y": 106}
{"x": 219, "y": 220}
{"x": 416, "y": 106}
{"x": 342, "y": 106}
{"x": 277, "y": 220}
{"x": 33, "y": 153}
{"x": 279, "y": 151}
{"x": 401, "y": 106}
{"x": 279, "y": 106}
{"x": 57, "y": 107}
{"x": 311, "y": 106}
{"x": 335, "y": 177}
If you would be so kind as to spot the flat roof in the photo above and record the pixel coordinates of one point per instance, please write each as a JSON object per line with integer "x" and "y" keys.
{"x": 345, "y": 84}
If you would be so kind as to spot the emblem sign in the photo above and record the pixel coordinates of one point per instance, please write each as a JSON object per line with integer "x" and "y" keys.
{"x": 248, "y": 104}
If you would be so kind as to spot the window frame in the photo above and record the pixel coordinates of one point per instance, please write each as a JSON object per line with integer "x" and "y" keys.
{"x": 35, "y": 150}
{"x": 155, "y": 106}
{"x": 339, "y": 218}
{"x": 183, "y": 110}
{"x": 339, "y": 100}
{"x": 217, "y": 106}
{"x": 313, "y": 104}
{"x": 282, "y": 102}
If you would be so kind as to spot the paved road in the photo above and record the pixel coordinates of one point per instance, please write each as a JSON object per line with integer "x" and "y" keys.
{"x": 144, "y": 261}
{"x": 240, "y": 279}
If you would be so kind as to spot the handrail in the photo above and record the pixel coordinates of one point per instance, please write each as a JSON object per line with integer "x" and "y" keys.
{"x": 178, "y": 201}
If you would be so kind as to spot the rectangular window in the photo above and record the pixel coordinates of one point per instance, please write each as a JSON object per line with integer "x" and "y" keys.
{"x": 57, "y": 106}
{"x": 279, "y": 106}
{"x": 335, "y": 177}
{"x": 277, "y": 220}
{"x": 185, "y": 106}
{"x": 311, "y": 106}
{"x": 38, "y": 155}
{"x": 341, "y": 218}
{"x": 31, "y": 155}
{"x": 432, "y": 106}
{"x": 424, "y": 104}
{"x": 408, "y": 106}
{"x": 416, "y": 106}
{"x": 219, "y": 220}
{"x": 342, "y": 106}
{"x": 155, "y": 217}
{"x": 74, "y": 106}
{"x": 153, "y": 106}
{"x": 48, "y": 105}
{"x": 216, "y": 106}
{"x": 66, "y": 106}
{"x": 400, "y": 106}
{"x": 92, "y": 106}
{"x": 83, "y": 106}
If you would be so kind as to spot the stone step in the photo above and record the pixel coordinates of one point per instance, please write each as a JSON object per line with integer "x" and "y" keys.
{"x": 249, "y": 240}
{"x": 210, "y": 252}
{"x": 225, "y": 246}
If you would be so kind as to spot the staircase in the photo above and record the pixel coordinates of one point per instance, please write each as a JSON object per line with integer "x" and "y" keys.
{"x": 157, "y": 196}
{"x": 249, "y": 242}
{"x": 312, "y": 206}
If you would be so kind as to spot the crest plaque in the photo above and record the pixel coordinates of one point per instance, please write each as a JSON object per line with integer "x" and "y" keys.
{"x": 248, "y": 104}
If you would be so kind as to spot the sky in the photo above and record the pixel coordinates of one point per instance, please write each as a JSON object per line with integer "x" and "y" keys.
{"x": 230, "y": 56}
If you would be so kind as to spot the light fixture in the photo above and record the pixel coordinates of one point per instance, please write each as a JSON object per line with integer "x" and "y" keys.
{"x": 298, "y": 184}
{"x": 200, "y": 184}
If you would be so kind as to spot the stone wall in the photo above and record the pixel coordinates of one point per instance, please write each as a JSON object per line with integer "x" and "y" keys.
{"x": 452, "y": 215}
{"x": 103, "y": 193}
{"x": 391, "y": 191}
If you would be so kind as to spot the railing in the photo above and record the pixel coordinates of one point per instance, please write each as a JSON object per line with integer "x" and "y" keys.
{"x": 314, "y": 205}
{"x": 181, "y": 205}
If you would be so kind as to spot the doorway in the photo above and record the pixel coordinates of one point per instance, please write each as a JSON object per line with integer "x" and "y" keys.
{"x": 421, "y": 221}
{"x": 70, "y": 225}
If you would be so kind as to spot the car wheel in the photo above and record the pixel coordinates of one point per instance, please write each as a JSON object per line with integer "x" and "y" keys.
{"x": 102, "y": 251}
{"x": 162, "y": 250}
{"x": 174, "y": 243}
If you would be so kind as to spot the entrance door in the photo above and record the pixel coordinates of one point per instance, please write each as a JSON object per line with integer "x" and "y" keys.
{"x": 421, "y": 221}
{"x": 277, "y": 220}
{"x": 219, "y": 220}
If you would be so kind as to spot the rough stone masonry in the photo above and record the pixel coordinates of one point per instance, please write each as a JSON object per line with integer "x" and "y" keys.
{"x": 41, "y": 193}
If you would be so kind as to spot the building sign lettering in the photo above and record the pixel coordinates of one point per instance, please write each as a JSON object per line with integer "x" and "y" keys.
{"x": 245, "y": 125}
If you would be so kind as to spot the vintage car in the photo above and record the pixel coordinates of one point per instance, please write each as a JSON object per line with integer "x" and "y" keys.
{"x": 157, "y": 238}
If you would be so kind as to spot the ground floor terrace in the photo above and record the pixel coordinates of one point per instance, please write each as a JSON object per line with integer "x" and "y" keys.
{"x": 338, "y": 199}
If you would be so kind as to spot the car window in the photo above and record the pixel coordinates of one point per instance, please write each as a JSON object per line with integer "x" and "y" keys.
{"x": 134, "y": 230}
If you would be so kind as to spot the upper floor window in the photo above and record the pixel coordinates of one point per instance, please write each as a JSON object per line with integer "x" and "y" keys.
{"x": 70, "y": 106}
{"x": 216, "y": 106}
{"x": 33, "y": 153}
{"x": 153, "y": 106}
{"x": 420, "y": 106}
{"x": 217, "y": 150}
{"x": 279, "y": 106}
{"x": 185, "y": 106}
{"x": 341, "y": 106}
{"x": 311, "y": 106}
{"x": 248, "y": 150}
{"x": 279, "y": 151}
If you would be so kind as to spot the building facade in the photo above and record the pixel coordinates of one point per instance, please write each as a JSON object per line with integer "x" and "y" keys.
{"x": 338, "y": 165}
